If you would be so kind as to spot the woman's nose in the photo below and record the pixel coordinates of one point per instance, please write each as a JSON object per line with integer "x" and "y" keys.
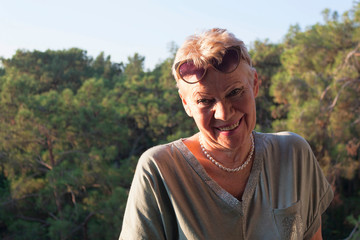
{"x": 222, "y": 110}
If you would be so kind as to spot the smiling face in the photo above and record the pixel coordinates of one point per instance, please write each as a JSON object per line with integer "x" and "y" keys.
{"x": 223, "y": 106}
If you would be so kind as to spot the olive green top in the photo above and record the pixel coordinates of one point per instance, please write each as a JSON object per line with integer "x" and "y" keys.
{"x": 172, "y": 196}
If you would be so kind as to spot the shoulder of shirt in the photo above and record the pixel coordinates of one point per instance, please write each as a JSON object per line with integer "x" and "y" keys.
{"x": 286, "y": 138}
{"x": 158, "y": 153}
{"x": 159, "y": 149}
{"x": 286, "y": 143}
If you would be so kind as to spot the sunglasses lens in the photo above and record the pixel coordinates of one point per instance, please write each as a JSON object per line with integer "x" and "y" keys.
{"x": 229, "y": 62}
{"x": 190, "y": 73}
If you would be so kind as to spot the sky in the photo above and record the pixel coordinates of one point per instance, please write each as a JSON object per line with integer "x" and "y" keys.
{"x": 122, "y": 28}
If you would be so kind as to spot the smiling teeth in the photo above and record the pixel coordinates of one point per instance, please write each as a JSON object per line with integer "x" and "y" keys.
{"x": 231, "y": 127}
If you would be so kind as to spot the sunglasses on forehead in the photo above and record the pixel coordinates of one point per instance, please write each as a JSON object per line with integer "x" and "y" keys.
{"x": 188, "y": 72}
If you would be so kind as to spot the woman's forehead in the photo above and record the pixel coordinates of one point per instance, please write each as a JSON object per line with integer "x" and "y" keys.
{"x": 242, "y": 75}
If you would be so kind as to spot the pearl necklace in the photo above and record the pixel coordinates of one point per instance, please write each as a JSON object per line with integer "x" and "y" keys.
{"x": 220, "y": 165}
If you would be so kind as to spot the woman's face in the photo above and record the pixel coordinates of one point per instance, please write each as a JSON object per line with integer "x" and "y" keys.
{"x": 223, "y": 106}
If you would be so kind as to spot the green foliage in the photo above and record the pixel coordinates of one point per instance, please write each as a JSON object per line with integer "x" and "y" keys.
{"x": 72, "y": 131}
{"x": 355, "y": 234}
{"x": 316, "y": 95}
{"x": 266, "y": 61}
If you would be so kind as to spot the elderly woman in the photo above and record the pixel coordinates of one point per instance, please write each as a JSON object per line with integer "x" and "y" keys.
{"x": 226, "y": 181}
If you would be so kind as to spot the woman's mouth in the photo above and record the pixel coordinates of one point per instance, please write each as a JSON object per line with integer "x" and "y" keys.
{"x": 230, "y": 127}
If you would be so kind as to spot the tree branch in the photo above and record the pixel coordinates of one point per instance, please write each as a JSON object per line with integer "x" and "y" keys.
{"x": 348, "y": 81}
{"x": 59, "y": 159}
{"x": 32, "y": 219}
{"x": 44, "y": 164}
{"x": 353, "y": 231}
{"x": 82, "y": 224}
{"x": 18, "y": 199}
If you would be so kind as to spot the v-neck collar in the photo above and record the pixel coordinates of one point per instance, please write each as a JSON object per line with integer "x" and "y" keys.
{"x": 229, "y": 199}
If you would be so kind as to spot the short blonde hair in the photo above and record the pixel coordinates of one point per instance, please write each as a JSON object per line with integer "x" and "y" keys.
{"x": 209, "y": 45}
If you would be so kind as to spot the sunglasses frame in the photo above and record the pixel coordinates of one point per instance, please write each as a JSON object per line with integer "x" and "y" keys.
{"x": 235, "y": 48}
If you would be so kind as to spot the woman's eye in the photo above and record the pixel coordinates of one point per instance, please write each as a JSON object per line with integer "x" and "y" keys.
{"x": 205, "y": 101}
{"x": 235, "y": 92}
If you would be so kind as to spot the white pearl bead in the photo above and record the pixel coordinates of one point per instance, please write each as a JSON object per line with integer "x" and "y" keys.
{"x": 221, "y": 166}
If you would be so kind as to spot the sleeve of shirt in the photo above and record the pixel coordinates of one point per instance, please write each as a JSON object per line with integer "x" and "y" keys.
{"x": 148, "y": 210}
{"x": 316, "y": 191}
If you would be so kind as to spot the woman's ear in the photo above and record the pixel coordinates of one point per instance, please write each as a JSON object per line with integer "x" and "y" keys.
{"x": 255, "y": 83}
{"x": 185, "y": 104}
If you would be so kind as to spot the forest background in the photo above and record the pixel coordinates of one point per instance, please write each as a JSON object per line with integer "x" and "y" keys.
{"x": 73, "y": 127}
